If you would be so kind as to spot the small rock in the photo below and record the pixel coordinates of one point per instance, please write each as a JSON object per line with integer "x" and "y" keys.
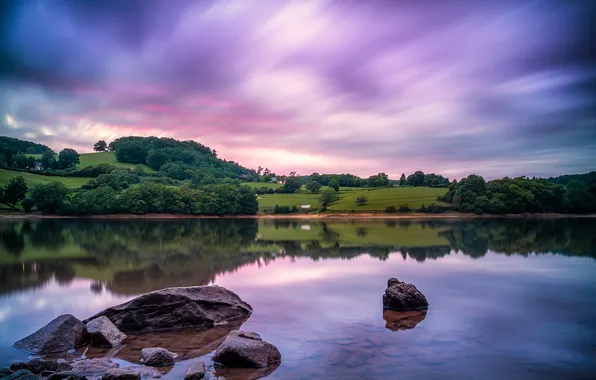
{"x": 39, "y": 365}
{"x": 21, "y": 374}
{"x": 121, "y": 374}
{"x": 403, "y": 296}
{"x": 102, "y": 332}
{"x": 61, "y": 334}
{"x": 245, "y": 349}
{"x": 157, "y": 356}
{"x": 66, "y": 375}
{"x": 195, "y": 371}
{"x": 93, "y": 367}
{"x": 4, "y": 372}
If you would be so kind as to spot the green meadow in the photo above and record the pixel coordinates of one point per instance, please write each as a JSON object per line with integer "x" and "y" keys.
{"x": 98, "y": 158}
{"x": 35, "y": 179}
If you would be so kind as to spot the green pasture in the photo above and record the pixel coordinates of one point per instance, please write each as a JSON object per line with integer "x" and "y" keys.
{"x": 35, "y": 179}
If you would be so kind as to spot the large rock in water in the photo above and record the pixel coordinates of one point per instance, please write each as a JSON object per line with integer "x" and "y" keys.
{"x": 175, "y": 308}
{"x": 246, "y": 349}
{"x": 403, "y": 296}
{"x": 102, "y": 332}
{"x": 61, "y": 334}
{"x": 157, "y": 356}
{"x": 38, "y": 365}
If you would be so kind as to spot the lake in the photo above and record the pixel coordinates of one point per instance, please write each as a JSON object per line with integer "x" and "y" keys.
{"x": 511, "y": 298}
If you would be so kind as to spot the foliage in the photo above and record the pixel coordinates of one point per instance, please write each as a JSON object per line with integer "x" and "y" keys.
{"x": 334, "y": 184}
{"x": 101, "y": 200}
{"x": 402, "y": 180}
{"x": 50, "y": 197}
{"x": 100, "y": 146}
{"x": 68, "y": 158}
{"x": 313, "y": 186}
{"x": 27, "y": 204}
{"x": 116, "y": 179}
{"x": 14, "y": 192}
{"x": 379, "y": 180}
{"x": 292, "y": 185}
{"x": 328, "y": 196}
{"x": 13, "y": 152}
{"x": 48, "y": 159}
{"x": 390, "y": 209}
{"x": 404, "y": 208}
{"x": 433, "y": 208}
{"x": 360, "y": 200}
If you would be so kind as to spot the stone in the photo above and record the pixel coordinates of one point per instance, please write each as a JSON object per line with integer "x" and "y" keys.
{"x": 145, "y": 372}
{"x": 93, "y": 367}
{"x": 403, "y": 296}
{"x": 177, "y": 308}
{"x": 102, "y": 332}
{"x": 121, "y": 374}
{"x": 4, "y": 372}
{"x": 66, "y": 375}
{"x": 245, "y": 349}
{"x": 403, "y": 320}
{"x": 157, "y": 356}
{"x": 39, "y": 365}
{"x": 195, "y": 371}
{"x": 61, "y": 334}
{"x": 21, "y": 374}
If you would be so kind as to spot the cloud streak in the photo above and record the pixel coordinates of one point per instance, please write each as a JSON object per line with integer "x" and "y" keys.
{"x": 498, "y": 87}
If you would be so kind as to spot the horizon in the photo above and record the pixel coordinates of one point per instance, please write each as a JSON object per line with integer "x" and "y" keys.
{"x": 496, "y": 88}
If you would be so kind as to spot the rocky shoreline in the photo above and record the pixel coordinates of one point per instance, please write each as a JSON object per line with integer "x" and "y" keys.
{"x": 164, "y": 312}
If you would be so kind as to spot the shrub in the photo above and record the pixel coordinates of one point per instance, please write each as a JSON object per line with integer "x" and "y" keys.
{"x": 360, "y": 200}
{"x": 27, "y": 204}
{"x": 433, "y": 209}
{"x": 404, "y": 208}
{"x": 390, "y": 209}
{"x": 478, "y": 211}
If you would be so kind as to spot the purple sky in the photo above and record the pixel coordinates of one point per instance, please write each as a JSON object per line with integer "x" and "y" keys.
{"x": 453, "y": 87}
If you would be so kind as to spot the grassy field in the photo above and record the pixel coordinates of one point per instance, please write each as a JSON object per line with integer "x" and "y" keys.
{"x": 378, "y": 199}
{"x": 34, "y": 179}
{"x": 258, "y": 185}
{"x": 92, "y": 159}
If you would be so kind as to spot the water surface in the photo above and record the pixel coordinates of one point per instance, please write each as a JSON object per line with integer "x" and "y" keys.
{"x": 508, "y": 298}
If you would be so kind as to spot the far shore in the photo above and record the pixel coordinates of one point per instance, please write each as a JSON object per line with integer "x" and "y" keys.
{"x": 329, "y": 216}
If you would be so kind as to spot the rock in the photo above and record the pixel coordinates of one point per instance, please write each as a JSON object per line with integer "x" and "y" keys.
{"x": 4, "y": 372}
{"x": 157, "y": 356}
{"x": 403, "y": 320}
{"x": 403, "y": 296}
{"x": 66, "y": 375}
{"x": 176, "y": 308}
{"x": 40, "y": 365}
{"x": 93, "y": 367}
{"x": 246, "y": 349}
{"x": 102, "y": 332}
{"x": 195, "y": 371}
{"x": 121, "y": 374}
{"x": 146, "y": 372}
{"x": 62, "y": 334}
{"x": 21, "y": 374}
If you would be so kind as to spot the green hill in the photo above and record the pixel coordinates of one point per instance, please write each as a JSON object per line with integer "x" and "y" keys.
{"x": 34, "y": 179}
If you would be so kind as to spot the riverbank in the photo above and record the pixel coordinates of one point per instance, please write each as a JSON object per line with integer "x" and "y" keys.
{"x": 327, "y": 216}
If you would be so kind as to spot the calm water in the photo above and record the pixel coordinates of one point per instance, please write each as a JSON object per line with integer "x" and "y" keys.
{"x": 511, "y": 299}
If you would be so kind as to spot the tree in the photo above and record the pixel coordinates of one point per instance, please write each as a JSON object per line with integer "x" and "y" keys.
{"x": 402, "y": 179}
{"x": 14, "y": 191}
{"x": 360, "y": 200}
{"x": 100, "y": 146}
{"x": 68, "y": 158}
{"x": 334, "y": 184}
{"x": 416, "y": 179}
{"x": 328, "y": 196}
{"x": 292, "y": 185}
{"x": 50, "y": 197}
{"x": 48, "y": 159}
{"x": 313, "y": 186}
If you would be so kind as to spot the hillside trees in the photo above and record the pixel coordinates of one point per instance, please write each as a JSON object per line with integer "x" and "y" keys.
{"x": 68, "y": 158}
{"x": 100, "y": 146}
{"x": 14, "y": 192}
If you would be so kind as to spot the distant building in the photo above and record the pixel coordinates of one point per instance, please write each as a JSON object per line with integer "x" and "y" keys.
{"x": 305, "y": 206}
{"x": 274, "y": 179}
{"x": 38, "y": 166}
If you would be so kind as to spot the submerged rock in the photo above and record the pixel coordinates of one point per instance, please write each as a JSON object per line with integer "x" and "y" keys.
{"x": 40, "y": 365}
{"x": 102, "y": 332}
{"x": 121, "y": 374}
{"x": 403, "y": 320}
{"x": 66, "y": 375}
{"x": 61, "y": 334}
{"x": 175, "y": 308}
{"x": 21, "y": 374}
{"x": 403, "y": 296}
{"x": 93, "y": 367}
{"x": 157, "y": 356}
{"x": 246, "y": 349}
{"x": 196, "y": 371}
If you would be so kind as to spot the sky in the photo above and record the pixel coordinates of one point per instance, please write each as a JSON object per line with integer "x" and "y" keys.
{"x": 452, "y": 87}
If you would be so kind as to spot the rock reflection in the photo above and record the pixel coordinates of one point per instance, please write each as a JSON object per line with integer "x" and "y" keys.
{"x": 403, "y": 320}
{"x": 245, "y": 373}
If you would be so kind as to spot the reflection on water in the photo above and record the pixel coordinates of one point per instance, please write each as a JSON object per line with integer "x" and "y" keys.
{"x": 512, "y": 298}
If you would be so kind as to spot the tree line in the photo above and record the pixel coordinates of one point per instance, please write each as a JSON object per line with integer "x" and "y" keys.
{"x": 520, "y": 195}
{"x": 113, "y": 193}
